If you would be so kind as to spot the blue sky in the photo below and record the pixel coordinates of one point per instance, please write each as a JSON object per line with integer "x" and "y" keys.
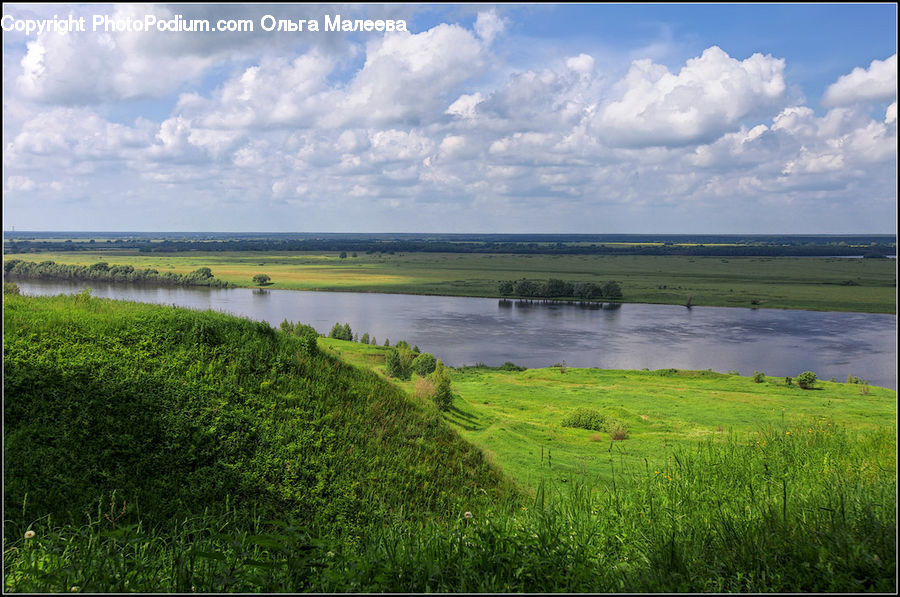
{"x": 695, "y": 118}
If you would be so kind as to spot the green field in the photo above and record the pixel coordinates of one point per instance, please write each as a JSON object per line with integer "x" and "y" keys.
{"x": 863, "y": 285}
{"x": 157, "y": 449}
{"x": 516, "y": 417}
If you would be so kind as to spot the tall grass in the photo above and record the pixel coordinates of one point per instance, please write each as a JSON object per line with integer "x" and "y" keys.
{"x": 787, "y": 509}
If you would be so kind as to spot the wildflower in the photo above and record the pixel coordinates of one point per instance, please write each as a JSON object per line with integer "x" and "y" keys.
{"x": 330, "y": 554}
{"x": 74, "y": 589}
{"x": 787, "y": 432}
{"x": 29, "y": 534}
{"x": 468, "y": 514}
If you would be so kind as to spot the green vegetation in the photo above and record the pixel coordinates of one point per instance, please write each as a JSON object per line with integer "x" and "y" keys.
{"x": 765, "y": 282}
{"x": 806, "y": 380}
{"x": 261, "y": 279}
{"x": 554, "y": 288}
{"x": 102, "y": 272}
{"x": 150, "y": 448}
{"x": 341, "y": 332}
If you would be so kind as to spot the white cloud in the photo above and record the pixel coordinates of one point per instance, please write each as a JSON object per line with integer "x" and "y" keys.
{"x": 464, "y": 106}
{"x": 582, "y": 64}
{"x": 709, "y": 96}
{"x": 876, "y": 83}
{"x": 488, "y": 25}
{"x": 19, "y": 183}
{"x": 408, "y": 77}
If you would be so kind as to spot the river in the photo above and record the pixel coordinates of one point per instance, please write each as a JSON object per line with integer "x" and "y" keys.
{"x": 465, "y": 331}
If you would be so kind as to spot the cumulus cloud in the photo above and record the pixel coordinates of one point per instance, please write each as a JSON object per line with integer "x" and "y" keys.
{"x": 406, "y": 123}
{"x": 408, "y": 76}
{"x": 101, "y": 66}
{"x": 710, "y": 95}
{"x": 876, "y": 83}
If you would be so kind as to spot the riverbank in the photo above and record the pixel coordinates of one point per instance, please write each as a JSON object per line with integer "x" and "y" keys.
{"x": 816, "y": 284}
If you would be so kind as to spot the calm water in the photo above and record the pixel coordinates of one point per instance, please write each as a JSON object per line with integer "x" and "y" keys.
{"x": 632, "y": 336}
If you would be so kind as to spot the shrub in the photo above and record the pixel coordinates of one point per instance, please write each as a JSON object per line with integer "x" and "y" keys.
{"x": 759, "y": 377}
{"x": 585, "y": 418}
{"x": 424, "y": 388}
{"x": 510, "y": 366}
{"x": 853, "y": 379}
{"x": 618, "y": 433}
{"x": 424, "y": 364}
{"x": 806, "y": 380}
{"x": 10, "y": 288}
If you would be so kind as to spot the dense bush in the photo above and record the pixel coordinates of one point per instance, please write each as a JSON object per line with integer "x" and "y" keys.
{"x": 585, "y": 418}
{"x": 806, "y": 380}
{"x": 424, "y": 364}
{"x": 594, "y": 420}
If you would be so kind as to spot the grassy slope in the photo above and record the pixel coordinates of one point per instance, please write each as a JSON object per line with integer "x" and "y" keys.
{"x": 177, "y": 411}
{"x": 789, "y": 283}
{"x": 211, "y": 399}
{"x": 515, "y": 417}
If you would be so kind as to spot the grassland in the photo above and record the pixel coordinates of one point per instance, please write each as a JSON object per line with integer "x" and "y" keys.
{"x": 155, "y": 449}
{"x": 515, "y": 417}
{"x": 828, "y": 284}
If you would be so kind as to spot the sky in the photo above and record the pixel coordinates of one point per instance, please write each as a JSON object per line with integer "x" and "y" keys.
{"x": 535, "y": 118}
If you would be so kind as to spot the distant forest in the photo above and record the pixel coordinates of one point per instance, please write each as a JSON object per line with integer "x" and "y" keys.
{"x": 571, "y": 244}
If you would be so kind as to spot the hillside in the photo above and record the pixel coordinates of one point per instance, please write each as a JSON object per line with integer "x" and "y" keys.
{"x": 176, "y": 411}
{"x": 155, "y": 449}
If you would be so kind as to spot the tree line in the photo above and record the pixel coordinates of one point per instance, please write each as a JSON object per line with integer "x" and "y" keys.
{"x": 751, "y": 247}
{"x": 103, "y": 272}
{"x": 554, "y": 288}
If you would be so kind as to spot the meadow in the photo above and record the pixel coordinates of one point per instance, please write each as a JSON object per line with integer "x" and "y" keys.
{"x": 834, "y": 284}
{"x": 157, "y": 449}
{"x": 517, "y": 417}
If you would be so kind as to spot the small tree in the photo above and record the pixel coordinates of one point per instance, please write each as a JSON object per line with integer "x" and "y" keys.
{"x": 806, "y": 380}
{"x": 260, "y": 279}
{"x": 364, "y": 339}
{"x": 341, "y": 332}
{"x": 398, "y": 363}
{"x": 343, "y": 255}
{"x": 759, "y": 377}
{"x": 443, "y": 393}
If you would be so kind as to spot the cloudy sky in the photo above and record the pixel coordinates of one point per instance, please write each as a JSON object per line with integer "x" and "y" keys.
{"x": 534, "y": 118}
